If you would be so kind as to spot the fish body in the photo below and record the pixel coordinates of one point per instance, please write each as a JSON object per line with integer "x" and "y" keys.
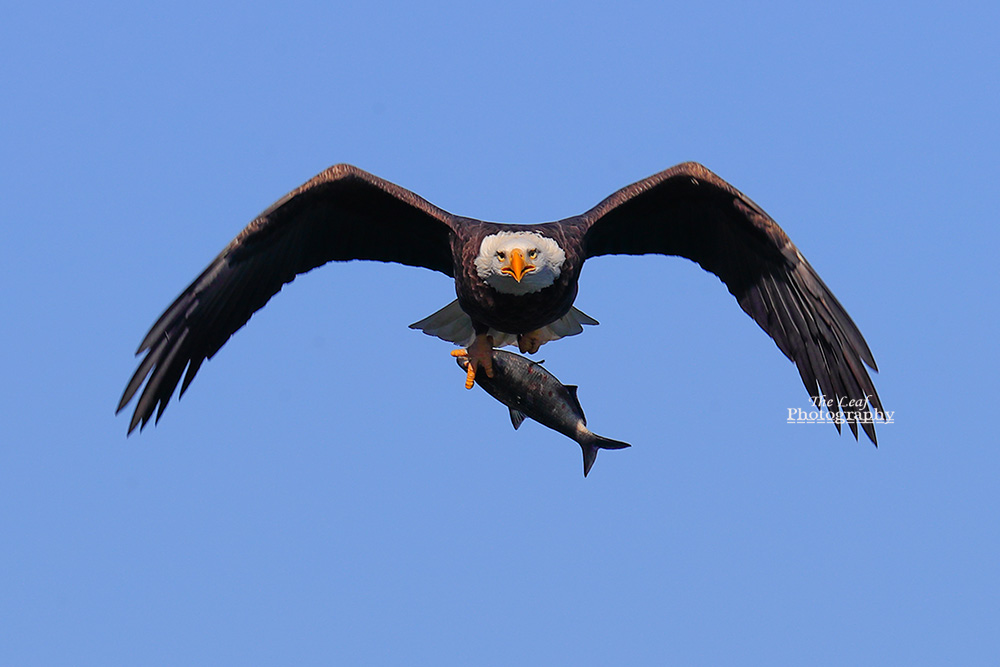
{"x": 529, "y": 390}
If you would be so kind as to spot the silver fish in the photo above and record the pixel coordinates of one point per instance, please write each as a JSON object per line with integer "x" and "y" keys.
{"x": 531, "y": 391}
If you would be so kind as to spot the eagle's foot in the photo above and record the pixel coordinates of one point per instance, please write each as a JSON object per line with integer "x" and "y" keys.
{"x": 529, "y": 342}
{"x": 470, "y": 368}
{"x": 480, "y": 355}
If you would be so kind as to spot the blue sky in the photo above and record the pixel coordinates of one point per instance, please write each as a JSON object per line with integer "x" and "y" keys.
{"x": 327, "y": 492}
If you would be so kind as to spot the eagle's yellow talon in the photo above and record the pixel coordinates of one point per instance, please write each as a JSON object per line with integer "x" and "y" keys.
{"x": 480, "y": 355}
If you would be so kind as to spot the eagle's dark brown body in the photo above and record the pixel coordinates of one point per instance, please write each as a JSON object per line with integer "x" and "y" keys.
{"x": 516, "y": 314}
{"x": 345, "y": 213}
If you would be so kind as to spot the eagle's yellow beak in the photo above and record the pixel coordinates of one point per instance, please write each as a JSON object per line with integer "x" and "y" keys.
{"x": 517, "y": 267}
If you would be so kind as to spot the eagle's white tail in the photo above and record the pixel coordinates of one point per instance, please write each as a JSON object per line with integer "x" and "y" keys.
{"x": 453, "y": 325}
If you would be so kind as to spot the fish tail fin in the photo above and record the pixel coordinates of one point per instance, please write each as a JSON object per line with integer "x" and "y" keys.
{"x": 594, "y": 443}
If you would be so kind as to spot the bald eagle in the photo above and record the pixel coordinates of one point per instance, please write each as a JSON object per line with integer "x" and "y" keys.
{"x": 515, "y": 284}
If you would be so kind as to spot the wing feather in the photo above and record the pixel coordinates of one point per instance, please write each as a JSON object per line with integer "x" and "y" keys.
{"x": 342, "y": 214}
{"x": 690, "y": 212}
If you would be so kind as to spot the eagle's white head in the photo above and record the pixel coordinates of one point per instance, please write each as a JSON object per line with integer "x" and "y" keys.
{"x": 519, "y": 262}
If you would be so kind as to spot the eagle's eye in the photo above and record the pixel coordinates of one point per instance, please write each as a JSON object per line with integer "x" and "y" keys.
{"x": 500, "y": 255}
{"x": 533, "y": 253}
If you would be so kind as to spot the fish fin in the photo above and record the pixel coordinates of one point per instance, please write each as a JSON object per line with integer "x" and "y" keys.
{"x": 607, "y": 443}
{"x": 592, "y": 445}
{"x": 576, "y": 401}
{"x": 589, "y": 456}
{"x": 517, "y": 418}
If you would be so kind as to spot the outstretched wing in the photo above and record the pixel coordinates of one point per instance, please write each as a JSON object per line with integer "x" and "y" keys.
{"x": 343, "y": 213}
{"x": 689, "y": 211}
